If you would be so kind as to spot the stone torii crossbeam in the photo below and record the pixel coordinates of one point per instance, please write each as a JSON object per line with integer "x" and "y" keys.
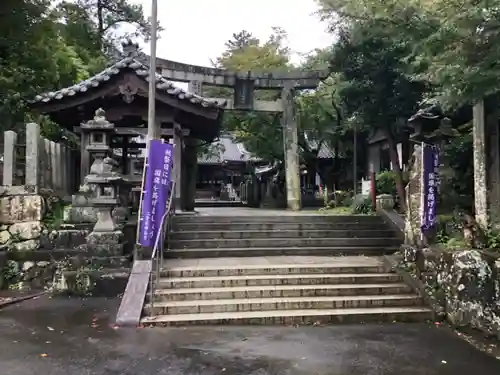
{"x": 244, "y": 85}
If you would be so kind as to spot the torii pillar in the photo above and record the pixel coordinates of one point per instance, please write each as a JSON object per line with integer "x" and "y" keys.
{"x": 291, "y": 148}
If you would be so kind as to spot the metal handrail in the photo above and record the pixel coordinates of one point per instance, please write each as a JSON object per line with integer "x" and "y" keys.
{"x": 159, "y": 245}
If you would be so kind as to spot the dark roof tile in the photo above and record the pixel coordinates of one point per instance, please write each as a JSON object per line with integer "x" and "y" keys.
{"x": 138, "y": 63}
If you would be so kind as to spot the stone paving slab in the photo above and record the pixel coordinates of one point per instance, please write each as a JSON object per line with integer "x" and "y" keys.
{"x": 74, "y": 336}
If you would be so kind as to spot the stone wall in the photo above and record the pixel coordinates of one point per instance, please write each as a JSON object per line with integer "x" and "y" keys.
{"x": 32, "y": 245}
{"x": 31, "y": 242}
{"x": 463, "y": 285}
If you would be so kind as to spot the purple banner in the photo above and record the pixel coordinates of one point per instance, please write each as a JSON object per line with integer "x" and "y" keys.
{"x": 430, "y": 182}
{"x": 156, "y": 191}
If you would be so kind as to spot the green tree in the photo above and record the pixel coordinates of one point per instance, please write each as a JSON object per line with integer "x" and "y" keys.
{"x": 93, "y": 23}
{"x": 377, "y": 92}
{"x": 453, "y": 42}
{"x": 33, "y": 57}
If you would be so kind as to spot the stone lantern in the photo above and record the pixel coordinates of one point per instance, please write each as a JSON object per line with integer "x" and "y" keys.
{"x": 104, "y": 182}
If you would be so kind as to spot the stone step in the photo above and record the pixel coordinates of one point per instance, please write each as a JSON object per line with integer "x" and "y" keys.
{"x": 282, "y": 242}
{"x": 282, "y": 218}
{"x": 267, "y": 291}
{"x": 278, "y": 233}
{"x": 278, "y": 250}
{"x": 262, "y": 266}
{"x": 264, "y": 226}
{"x": 291, "y": 303}
{"x": 277, "y": 279}
{"x": 217, "y": 203}
{"x": 289, "y": 317}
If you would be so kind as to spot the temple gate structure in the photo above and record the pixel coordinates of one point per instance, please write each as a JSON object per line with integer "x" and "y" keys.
{"x": 244, "y": 85}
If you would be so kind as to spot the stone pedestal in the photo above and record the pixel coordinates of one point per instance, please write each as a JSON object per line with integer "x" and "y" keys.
{"x": 106, "y": 243}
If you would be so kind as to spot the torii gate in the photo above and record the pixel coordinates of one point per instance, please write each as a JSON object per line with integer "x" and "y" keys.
{"x": 244, "y": 85}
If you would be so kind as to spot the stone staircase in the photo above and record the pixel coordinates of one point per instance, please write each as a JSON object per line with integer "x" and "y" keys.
{"x": 281, "y": 270}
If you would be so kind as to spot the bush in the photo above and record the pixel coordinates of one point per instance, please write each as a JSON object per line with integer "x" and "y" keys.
{"x": 361, "y": 205}
{"x": 340, "y": 197}
{"x": 385, "y": 183}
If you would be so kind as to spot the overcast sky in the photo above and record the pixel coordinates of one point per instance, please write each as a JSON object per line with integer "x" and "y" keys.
{"x": 196, "y": 30}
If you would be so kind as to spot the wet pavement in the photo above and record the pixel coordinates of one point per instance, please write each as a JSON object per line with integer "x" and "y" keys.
{"x": 62, "y": 336}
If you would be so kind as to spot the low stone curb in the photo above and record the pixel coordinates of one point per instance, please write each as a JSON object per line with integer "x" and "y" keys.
{"x": 391, "y": 263}
{"x": 21, "y": 299}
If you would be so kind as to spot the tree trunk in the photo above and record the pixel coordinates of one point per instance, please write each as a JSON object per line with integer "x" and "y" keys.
{"x": 393, "y": 153}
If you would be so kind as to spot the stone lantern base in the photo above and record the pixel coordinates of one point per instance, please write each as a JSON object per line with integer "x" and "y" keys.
{"x": 106, "y": 243}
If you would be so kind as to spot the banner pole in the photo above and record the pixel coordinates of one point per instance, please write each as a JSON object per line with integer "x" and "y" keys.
{"x": 422, "y": 192}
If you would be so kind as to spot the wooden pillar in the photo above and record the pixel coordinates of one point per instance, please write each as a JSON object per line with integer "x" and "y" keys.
{"x": 189, "y": 174}
{"x": 290, "y": 143}
{"x": 125, "y": 147}
{"x": 178, "y": 146}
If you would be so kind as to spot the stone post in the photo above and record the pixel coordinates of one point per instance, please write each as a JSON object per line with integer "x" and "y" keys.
{"x": 413, "y": 199}
{"x": 46, "y": 165}
{"x": 290, "y": 143}
{"x": 32, "y": 156}
{"x": 9, "y": 157}
{"x": 64, "y": 160}
{"x": 486, "y": 166}
{"x": 54, "y": 166}
{"x": 480, "y": 183}
{"x": 178, "y": 146}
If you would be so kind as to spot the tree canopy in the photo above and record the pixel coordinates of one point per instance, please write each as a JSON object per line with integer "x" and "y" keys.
{"x": 46, "y": 46}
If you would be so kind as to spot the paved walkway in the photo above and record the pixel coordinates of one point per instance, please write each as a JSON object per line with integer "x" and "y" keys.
{"x": 72, "y": 336}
